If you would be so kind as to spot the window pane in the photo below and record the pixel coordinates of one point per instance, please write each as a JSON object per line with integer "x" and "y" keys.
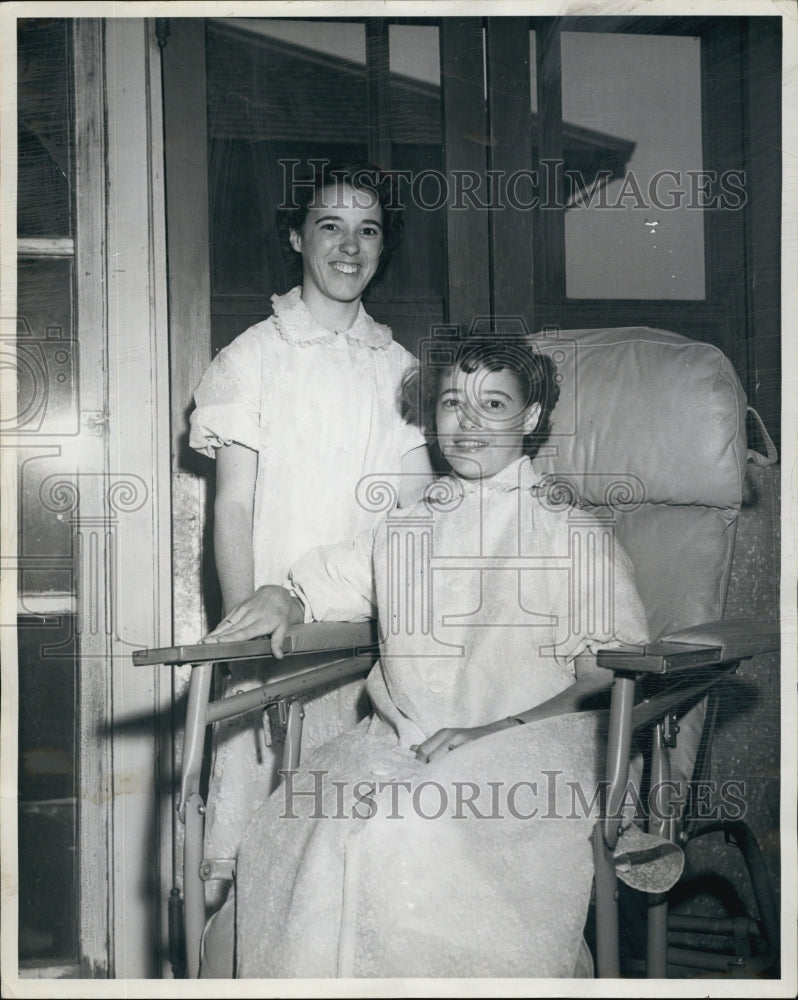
{"x": 47, "y": 419}
{"x": 43, "y": 131}
{"x": 640, "y": 238}
{"x": 47, "y": 362}
{"x": 48, "y": 410}
{"x": 47, "y": 790}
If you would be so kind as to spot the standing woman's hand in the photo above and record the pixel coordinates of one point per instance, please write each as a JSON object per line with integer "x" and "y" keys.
{"x": 269, "y": 611}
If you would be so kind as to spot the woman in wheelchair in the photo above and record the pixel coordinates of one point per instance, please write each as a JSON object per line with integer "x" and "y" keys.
{"x": 448, "y": 834}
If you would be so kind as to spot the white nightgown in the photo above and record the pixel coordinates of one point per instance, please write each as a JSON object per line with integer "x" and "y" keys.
{"x": 367, "y": 862}
{"x": 323, "y": 412}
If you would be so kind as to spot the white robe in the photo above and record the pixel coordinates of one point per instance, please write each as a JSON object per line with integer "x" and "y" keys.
{"x": 323, "y": 412}
{"x": 368, "y": 862}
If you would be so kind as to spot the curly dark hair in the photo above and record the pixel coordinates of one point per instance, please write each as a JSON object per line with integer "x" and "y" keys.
{"x": 535, "y": 371}
{"x": 291, "y": 214}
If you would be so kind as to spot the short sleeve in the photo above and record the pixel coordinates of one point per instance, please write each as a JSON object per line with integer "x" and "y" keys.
{"x": 228, "y": 398}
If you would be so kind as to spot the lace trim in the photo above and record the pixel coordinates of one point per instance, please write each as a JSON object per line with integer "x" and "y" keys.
{"x": 519, "y": 475}
{"x": 296, "y": 325}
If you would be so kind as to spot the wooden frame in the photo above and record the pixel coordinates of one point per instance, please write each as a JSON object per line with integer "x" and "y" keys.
{"x": 138, "y": 459}
{"x": 510, "y": 150}
{"x": 465, "y": 138}
{"x": 95, "y": 846}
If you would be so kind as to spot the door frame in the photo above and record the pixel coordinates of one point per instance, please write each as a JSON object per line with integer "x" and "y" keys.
{"x": 116, "y": 496}
{"x": 139, "y": 495}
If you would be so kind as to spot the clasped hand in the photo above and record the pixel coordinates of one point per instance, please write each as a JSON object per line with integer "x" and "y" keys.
{"x": 267, "y": 611}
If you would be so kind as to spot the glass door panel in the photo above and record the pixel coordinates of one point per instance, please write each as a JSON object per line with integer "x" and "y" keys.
{"x": 47, "y": 790}
{"x": 44, "y": 431}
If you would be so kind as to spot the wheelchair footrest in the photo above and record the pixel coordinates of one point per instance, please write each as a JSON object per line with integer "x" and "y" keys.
{"x": 735, "y": 927}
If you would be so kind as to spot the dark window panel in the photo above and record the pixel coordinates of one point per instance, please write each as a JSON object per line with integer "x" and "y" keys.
{"x": 44, "y": 98}
{"x": 47, "y": 790}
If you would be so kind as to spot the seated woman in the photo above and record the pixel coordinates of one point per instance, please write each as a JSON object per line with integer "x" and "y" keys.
{"x": 448, "y": 835}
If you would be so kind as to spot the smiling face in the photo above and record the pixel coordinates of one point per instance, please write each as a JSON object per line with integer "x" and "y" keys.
{"x": 340, "y": 242}
{"x": 482, "y": 418}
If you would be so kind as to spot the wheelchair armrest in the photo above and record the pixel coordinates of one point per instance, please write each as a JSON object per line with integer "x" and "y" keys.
{"x": 313, "y": 638}
{"x": 694, "y": 647}
{"x": 739, "y": 639}
{"x": 700, "y": 657}
{"x": 658, "y": 657}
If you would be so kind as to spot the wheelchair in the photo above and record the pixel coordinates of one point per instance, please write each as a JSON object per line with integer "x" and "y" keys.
{"x": 662, "y": 454}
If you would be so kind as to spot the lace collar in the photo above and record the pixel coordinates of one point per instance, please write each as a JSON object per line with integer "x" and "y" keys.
{"x": 518, "y": 475}
{"x": 296, "y": 325}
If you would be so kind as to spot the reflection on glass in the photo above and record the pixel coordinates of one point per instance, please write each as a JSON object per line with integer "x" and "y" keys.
{"x": 46, "y": 559}
{"x": 47, "y": 355}
{"x": 48, "y": 411}
{"x": 43, "y": 129}
{"x": 339, "y": 40}
{"x": 414, "y": 54}
{"x": 641, "y": 235}
{"x": 281, "y": 90}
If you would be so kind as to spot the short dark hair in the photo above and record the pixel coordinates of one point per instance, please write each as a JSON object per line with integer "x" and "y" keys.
{"x": 535, "y": 371}
{"x": 320, "y": 174}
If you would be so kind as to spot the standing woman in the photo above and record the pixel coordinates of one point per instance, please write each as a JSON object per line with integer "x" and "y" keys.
{"x": 296, "y": 411}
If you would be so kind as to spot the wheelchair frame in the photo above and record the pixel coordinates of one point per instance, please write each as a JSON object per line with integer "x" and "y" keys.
{"x": 319, "y": 653}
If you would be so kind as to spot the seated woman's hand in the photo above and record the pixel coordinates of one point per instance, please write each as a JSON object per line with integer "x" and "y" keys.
{"x": 446, "y": 740}
{"x": 267, "y": 611}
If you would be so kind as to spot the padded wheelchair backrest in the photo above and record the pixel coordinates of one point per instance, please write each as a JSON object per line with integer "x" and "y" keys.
{"x": 652, "y": 425}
